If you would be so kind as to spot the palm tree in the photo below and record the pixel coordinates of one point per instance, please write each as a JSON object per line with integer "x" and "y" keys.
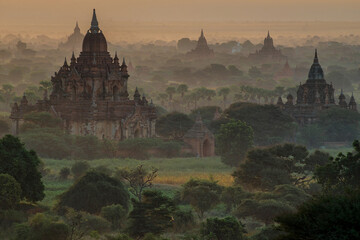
{"x": 224, "y": 92}
{"x": 182, "y": 89}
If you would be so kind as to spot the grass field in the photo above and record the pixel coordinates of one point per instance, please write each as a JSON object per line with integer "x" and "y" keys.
{"x": 172, "y": 172}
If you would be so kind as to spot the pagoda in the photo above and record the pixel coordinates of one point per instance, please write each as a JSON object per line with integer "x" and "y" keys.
{"x": 268, "y": 52}
{"x": 202, "y": 49}
{"x": 90, "y": 95}
{"x": 314, "y": 96}
{"x": 74, "y": 41}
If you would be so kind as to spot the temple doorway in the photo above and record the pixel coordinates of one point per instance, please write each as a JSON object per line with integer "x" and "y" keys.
{"x": 207, "y": 148}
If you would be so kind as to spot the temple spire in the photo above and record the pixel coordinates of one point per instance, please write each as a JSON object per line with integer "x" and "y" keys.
{"x": 268, "y": 34}
{"x": 316, "y": 60}
{"x": 94, "y": 23}
{"x": 202, "y": 33}
{"x": 65, "y": 62}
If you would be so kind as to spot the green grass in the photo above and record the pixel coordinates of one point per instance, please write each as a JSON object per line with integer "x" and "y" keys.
{"x": 172, "y": 172}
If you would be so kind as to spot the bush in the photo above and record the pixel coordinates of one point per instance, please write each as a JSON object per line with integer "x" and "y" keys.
{"x": 64, "y": 173}
{"x": 42, "y": 227}
{"x": 92, "y": 192}
{"x": 10, "y": 191}
{"x": 10, "y": 217}
{"x": 115, "y": 214}
{"x": 228, "y": 228}
{"x": 183, "y": 220}
{"x": 79, "y": 168}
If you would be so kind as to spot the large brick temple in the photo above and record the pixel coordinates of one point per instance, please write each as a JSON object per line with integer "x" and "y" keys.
{"x": 91, "y": 95}
{"x": 314, "y": 96}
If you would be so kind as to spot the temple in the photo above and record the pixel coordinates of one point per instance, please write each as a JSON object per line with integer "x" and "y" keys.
{"x": 74, "y": 41}
{"x": 285, "y": 72}
{"x": 313, "y": 96}
{"x": 200, "y": 139}
{"x": 268, "y": 52}
{"x": 91, "y": 96}
{"x": 202, "y": 49}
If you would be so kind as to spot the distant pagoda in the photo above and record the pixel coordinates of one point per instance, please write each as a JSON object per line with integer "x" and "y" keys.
{"x": 268, "y": 51}
{"x": 314, "y": 96}
{"x": 74, "y": 41}
{"x": 202, "y": 49}
{"x": 285, "y": 72}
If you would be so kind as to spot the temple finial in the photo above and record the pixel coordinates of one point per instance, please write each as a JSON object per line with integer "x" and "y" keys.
{"x": 123, "y": 63}
{"x": 268, "y": 34}
{"x": 94, "y": 23}
{"x": 202, "y": 33}
{"x": 65, "y": 62}
{"x": 316, "y": 60}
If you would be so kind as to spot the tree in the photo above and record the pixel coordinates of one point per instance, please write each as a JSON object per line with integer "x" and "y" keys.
{"x": 173, "y": 125}
{"x": 182, "y": 89}
{"x": 269, "y": 123}
{"x": 64, "y": 173}
{"x": 79, "y": 168}
{"x": 138, "y": 178}
{"x": 10, "y": 191}
{"x": 325, "y": 217}
{"x": 339, "y": 124}
{"x": 203, "y": 195}
{"x": 233, "y": 195}
{"x": 170, "y": 91}
{"x": 43, "y": 120}
{"x": 7, "y": 93}
{"x": 152, "y": 215}
{"x": 207, "y": 114}
{"x": 115, "y": 214}
{"x": 94, "y": 191}
{"x": 224, "y": 92}
{"x": 4, "y": 127}
{"x": 264, "y": 168}
{"x": 233, "y": 141}
{"x": 342, "y": 173}
{"x": 228, "y": 228}
{"x": 21, "y": 164}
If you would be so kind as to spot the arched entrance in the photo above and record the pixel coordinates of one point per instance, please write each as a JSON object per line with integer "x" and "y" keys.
{"x": 73, "y": 93}
{"x": 137, "y": 133}
{"x": 207, "y": 148}
{"x": 115, "y": 93}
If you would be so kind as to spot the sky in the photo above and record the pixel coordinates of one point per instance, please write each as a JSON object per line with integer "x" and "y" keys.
{"x": 55, "y": 12}
{"x": 59, "y": 16}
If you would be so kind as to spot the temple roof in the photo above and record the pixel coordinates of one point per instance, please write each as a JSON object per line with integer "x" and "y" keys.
{"x": 316, "y": 72}
{"x": 198, "y": 130}
{"x": 94, "y": 40}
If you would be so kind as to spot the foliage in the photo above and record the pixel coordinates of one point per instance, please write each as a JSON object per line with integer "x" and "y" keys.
{"x": 233, "y": 195}
{"x": 42, "y": 119}
{"x": 87, "y": 147}
{"x": 326, "y": 217}
{"x": 311, "y": 135}
{"x": 339, "y": 124}
{"x": 152, "y": 215}
{"x": 207, "y": 114}
{"x": 342, "y": 173}
{"x": 21, "y": 164}
{"x": 173, "y": 125}
{"x": 94, "y": 191}
{"x": 183, "y": 220}
{"x": 64, "y": 173}
{"x": 10, "y": 191}
{"x": 138, "y": 178}
{"x": 203, "y": 195}
{"x": 269, "y": 123}
{"x": 233, "y": 140}
{"x": 4, "y": 127}
{"x": 228, "y": 228}
{"x": 264, "y": 168}
{"x": 79, "y": 168}
{"x": 115, "y": 214}
{"x": 263, "y": 210}
{"x": 10, "y": 217}
{"x": 42, "y": 227}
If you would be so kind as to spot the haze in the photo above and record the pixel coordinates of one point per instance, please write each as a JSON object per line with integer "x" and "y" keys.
{"x": 170, "y": 19}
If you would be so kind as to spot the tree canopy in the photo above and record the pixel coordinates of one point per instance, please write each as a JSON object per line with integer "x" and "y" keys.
{"x": 21, "y": 164}
{"x": 173, "y": 125}
{"x": 93, "y": 191}
{"x": 233, "y": 141}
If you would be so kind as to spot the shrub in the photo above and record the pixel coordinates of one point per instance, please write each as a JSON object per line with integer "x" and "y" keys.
{"x": 93, "y": 191}
{"x": 79, "y": 168}
{"x": 64, "y": 173}
{"x": 228, "y": 228}
{"x": 115, "y": 214}
{"x": 10, "y": 191}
